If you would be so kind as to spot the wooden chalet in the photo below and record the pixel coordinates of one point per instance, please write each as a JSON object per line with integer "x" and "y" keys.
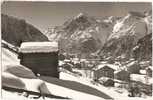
{"x": 105, "y": 70}
{"x": 122, "y": 75}
{"x": 40, "y": 57}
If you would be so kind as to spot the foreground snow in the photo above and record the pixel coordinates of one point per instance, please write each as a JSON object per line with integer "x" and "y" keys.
{"x": 15, "y": 96}
{"x": 77, "y": 88}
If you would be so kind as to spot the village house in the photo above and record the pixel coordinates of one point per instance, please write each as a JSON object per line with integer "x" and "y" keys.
{"x": 133, "y": 67}
{"x": 88, "y": 72}
{"x": 144, "y": 64}
{"x": 149, "y": 71}
{"x": 40, "y": 57}
{"x": 105, "y": 70}
{"x": 122, "y": 75}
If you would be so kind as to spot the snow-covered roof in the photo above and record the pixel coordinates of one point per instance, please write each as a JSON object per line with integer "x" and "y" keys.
{"x": 143, "y": 72}
{"x": 122, "y": 70}
{"x": 131, "y": 63}
{"x": 67, "y": 60}
{"x": 151, "y": 67}
{"x": 114, "y": 67}
{"x": 37, "y": 47}
{"x": 104, "y": 78}
{"x": 144, "y": 63}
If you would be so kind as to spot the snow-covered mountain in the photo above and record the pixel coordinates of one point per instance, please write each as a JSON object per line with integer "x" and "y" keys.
{"x": 82, "y": 34}
{"x": 126, "y": 34}
{"x": 110, "y": 37}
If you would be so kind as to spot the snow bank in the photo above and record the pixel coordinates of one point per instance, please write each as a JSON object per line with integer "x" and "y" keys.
{"x": 9, "y": 57}
{"x": 19, "y": 70}
{"x": 10, "y": 80}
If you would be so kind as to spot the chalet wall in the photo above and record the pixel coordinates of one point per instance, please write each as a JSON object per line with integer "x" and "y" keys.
{"x": 42, "y": 63}
{"x": 104, "y": 72}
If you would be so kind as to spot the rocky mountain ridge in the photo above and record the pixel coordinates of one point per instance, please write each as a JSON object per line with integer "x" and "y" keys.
{"x": 126, "y": 34}
{"x": 110, "y": 37}
{"x": 82, "y": 34}
{"x": 16, "y": 31}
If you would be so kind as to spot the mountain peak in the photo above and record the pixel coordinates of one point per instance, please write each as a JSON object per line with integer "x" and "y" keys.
{"x": 80, "y": 15}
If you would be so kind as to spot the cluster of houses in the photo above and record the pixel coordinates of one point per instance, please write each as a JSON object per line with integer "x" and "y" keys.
{"x": 132, "y": 71}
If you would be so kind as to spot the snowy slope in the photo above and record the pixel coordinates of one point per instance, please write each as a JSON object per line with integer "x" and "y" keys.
{"x": 9, "y": 57}
{"x": 73, "y": 88}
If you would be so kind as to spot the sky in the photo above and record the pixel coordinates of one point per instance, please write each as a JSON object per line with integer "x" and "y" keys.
{"x": 44, "y": 15}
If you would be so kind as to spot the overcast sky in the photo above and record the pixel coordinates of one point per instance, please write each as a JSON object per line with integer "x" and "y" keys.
{"x": 48, "y": 14}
